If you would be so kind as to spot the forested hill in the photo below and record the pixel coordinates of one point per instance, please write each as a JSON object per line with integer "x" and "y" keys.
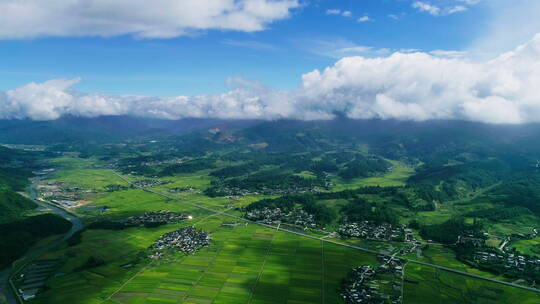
{"x": 101, "y": 129}
{"x": 14, "y": 177}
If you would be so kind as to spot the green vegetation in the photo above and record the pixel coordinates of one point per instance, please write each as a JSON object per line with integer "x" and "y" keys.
{"x": 430, "y": 285}
{"x": 18, "y": 236}
{"x": 528, "y": 247}
{"x": 449, "y": 231}
{"x": 242, "y": 263}
{"x": 13, "y": 205}
{"x": 441, "y": 186}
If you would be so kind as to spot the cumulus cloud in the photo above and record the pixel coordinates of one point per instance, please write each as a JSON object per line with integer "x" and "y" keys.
{"x": 141, "y": 18}
{"x": 420, "y": 86}
{"x": 412, "y": 86}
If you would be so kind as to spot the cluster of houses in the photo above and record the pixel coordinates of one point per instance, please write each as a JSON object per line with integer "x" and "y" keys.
{"x": 471, "y": 240}
{"x": 235, "y": 192}
{"x": 357, "y": 288}
{"x": 297, "y": 217}
{"x": 370, "y": 230}
{"x": 181, "y": 189}
{"x": 149, "y": 183}
{"x": 187, "y": 240}
{"x": 133, "y": 164}
{"x": 363, "y": 283}
{"x": 170, "y": 161}
{"x": 510, "y": 261}
{"x": 161, "y": 216}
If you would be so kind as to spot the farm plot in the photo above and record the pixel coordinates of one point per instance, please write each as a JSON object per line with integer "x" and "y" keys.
{"x": 429, "y": 285}
{"x": 247, "y": 264}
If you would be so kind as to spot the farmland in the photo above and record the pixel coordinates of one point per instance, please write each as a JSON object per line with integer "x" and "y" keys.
{"x": 243, "y": 264}
{"x": 283, "y": 228}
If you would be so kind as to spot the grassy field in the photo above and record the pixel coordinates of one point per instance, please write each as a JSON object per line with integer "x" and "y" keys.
{"x": 396, "y": 177}
{"x": 247, "y": 264}
{"x": 529, "y": 247}
{"x": 244, "y": 264}
{"x": 429, "y": 285}
{"x": 78, "y": 172}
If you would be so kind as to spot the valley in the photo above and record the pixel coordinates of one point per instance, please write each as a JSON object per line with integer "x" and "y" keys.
{"x": 271, "y": 240}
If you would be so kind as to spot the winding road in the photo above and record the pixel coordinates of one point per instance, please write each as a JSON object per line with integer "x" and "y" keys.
{"x": 35, "y": 253}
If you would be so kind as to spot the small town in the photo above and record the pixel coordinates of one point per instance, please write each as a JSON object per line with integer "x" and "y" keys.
{"x": 187, "y": 240}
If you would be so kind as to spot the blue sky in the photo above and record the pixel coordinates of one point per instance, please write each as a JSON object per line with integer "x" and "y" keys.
{"x": 475, "y": 60}
{"x": 200, "y": 63}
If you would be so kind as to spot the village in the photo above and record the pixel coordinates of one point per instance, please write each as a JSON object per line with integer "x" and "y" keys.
{"x": 363, "y": 284}
{"x": 181, "y": 189}
{"x": 369, "y": 230}
{"x": 149, "y": 183}
{"x": 501, "y": 259}
{"x": 234, "y": 192}
{"x": 186, "y": 240}
{"x": 297, "y": 217}
{"x": 152, "y": 162}
{"x": 510, "y": 261}
{"x": 157, "y": 217}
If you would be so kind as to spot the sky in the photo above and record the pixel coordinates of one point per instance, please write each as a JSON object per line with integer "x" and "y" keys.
{"x": 271, "y": 59}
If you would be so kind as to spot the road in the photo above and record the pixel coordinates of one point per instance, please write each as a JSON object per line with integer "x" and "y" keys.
{"x": 34, "y": 253}
{"x": 334, "y": 242}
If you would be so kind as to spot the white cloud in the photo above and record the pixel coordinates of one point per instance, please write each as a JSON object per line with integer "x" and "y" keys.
{"x": 346, "y": 14}
{"x": 415, "y": 86}
{"x": 364, "y": 19}
{"x": 333, "y": 12}
{"x": 427, "y": 8}
{"x": 455, "y": 9}
{"x": 338, "y": 48}
{"x": 141, "y": 18}
{"x": 340, "y": 12}
{"x": 449, "y": 54}
{"x": 444, "y": 9}
{"x": 420, "y": 86}
{"x": 469, "y": 2}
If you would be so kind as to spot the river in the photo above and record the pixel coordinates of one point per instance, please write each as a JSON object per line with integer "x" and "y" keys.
{"x": 32, "y": 254}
